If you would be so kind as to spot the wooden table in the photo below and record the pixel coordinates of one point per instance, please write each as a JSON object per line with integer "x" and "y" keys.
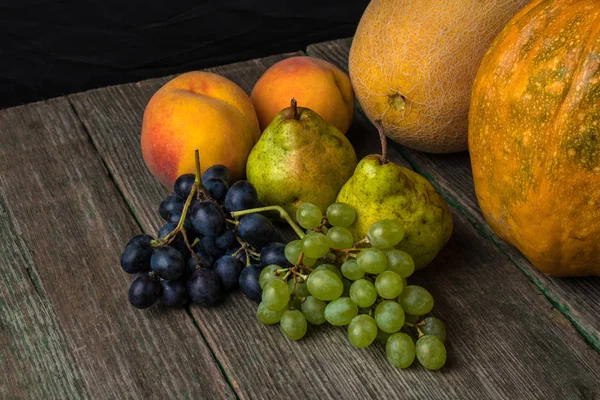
{"x": 74, "y": 189}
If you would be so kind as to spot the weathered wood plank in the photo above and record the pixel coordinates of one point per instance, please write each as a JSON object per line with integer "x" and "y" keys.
{"x": 35, "y": 360}
{"x": 505, "y": 340}
{"x": 74, "y": 223}
{"x": 577, "y": 298}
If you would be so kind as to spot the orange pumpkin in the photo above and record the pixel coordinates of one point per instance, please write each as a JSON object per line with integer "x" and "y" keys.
{"x": 534, "y": 135}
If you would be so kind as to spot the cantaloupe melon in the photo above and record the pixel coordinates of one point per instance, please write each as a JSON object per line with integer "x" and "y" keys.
{"x": 413, "y": 63}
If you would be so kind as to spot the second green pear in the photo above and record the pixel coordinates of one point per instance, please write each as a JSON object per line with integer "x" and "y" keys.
{"x": 380, "y": 189}
{"x": 299, "y": 159}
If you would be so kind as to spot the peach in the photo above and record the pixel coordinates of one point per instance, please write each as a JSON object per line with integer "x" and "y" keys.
{"x": 314, "y": 83}
{"x": 198, "y": 110}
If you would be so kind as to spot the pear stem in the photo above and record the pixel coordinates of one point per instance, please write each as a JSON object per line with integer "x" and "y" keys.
{"x": 282, "y": 213}
{"x": 295, "y": 109}
{"x": 383, "y": 139}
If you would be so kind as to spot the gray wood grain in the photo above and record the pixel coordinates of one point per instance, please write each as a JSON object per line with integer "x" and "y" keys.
{"x": 35, "y": 360}
{"x": 72, "y": 225}
{"x": 577, "y": 298}
{"x": 505, "y": 341}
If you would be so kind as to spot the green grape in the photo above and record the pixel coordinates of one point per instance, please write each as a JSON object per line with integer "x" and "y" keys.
{"x": 331, "y": 268}
{"x": 315, "y": 245}
{"x": 386, "y": 233}
{"x": 301, "y": 290}
{"x": 382, "y": 336}
{"x": 314, "y": 310}
{"x": 435, "y": 327}
{"x": 268, "y": 274}
{"x": 363, "y": 293}
{"x": 362, "y": 331}
{"x": 416, "y": 300}
{"x": 351, "y": 270}
{"x": 276, "y": 295}
{"x": 347, "y": 285}
{"x": 411, "y": 319}
{"x": 266, "y": 316}
{"x": 293, "y": 324}
{"x": 389, "y": 316}
{"x": 340, "y": 238}
{"x": 340, "y": 311}
{"x": 388, "y": 284}
{"x": 292, "y": 251}
{"x": 400, "y": 350}
{"x": 309, "y": 261}
{"x": 372, "y": 261}
{"x": 431, "y": 352}
{"x": 309, "y": 216}
{"x": 400, "y": 262}
{"x": 325, "y": 285}
{"x": 341, "y": 214}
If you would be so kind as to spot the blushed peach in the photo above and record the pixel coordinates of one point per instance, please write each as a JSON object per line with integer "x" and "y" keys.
{"x": 198, "y": 110}
{"x": 314, "y": 83}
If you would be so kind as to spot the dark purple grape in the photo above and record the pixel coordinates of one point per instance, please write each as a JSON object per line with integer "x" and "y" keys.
{"x": 144, "y": 291}
{"x": 241, "y": 196}
{"x": 174, "y": 293}
{"x": 183, "y": 185}
{"x": 136, "y": 257}
{"x": 256, "y": 229}
{"x": 274, "y": 253}
{"x": 207, "y": 218}
{"x": 208, "y": 246}
{"x": 229, "y": 269}
{"x": 206, "y": 261}
{"x": 205, "y": 287}
{"x": 241, "y": 255}
{"x": 141, "y": 238}
{"x": 177, "y": 242}
{"x": 175, "y": 216}
{"x": 167, "y": 263}
{"x": 217, "y": 188}
{"x": 138, "y": 274}
{"x": 226, "y": 240}
{"x": 216, "y": 171}
{"x": 169, "y": 204}
{"x": 249, "y": 282}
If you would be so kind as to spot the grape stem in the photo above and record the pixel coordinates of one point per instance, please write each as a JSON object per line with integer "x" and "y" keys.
{"x": 282, "y": 213}
{"x": 364, "y": 240}
{"x": 189, "y": 246}
{"x": 179, "y": 228}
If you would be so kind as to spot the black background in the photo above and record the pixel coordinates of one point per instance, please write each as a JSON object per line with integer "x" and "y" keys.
{"x": 51, "y": 48}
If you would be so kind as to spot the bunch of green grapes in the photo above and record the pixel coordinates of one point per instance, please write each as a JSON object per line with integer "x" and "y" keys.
{"x": 360, "y": 285}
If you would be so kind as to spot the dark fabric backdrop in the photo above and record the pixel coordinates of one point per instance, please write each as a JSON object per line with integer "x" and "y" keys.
{"x": 50, "y": 48}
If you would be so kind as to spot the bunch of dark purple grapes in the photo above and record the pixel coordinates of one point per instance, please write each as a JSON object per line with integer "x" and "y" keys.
{"x": 202, "y": 253}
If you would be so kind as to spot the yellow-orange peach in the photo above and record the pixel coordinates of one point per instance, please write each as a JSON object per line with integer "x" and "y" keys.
{"x": 314, "y": 83}
{"x": 198, "y": 110}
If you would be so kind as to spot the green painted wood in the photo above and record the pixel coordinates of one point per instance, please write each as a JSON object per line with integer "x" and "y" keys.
{"x": 505, "y": 341}
{"x": 69, "y": 330}
{"x": 577, "y": 298}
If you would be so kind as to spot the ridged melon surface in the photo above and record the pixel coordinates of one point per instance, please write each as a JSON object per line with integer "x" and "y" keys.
{"x": 413, "y": 63}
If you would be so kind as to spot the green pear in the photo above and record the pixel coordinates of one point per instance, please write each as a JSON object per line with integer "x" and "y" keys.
{"x": 379, "y": 189}
{"x": 299, "y": 159}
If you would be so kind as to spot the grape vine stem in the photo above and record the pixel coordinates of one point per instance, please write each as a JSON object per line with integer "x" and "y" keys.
{"x": 282, "y": 213}
{"x": 179, "y": 228}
